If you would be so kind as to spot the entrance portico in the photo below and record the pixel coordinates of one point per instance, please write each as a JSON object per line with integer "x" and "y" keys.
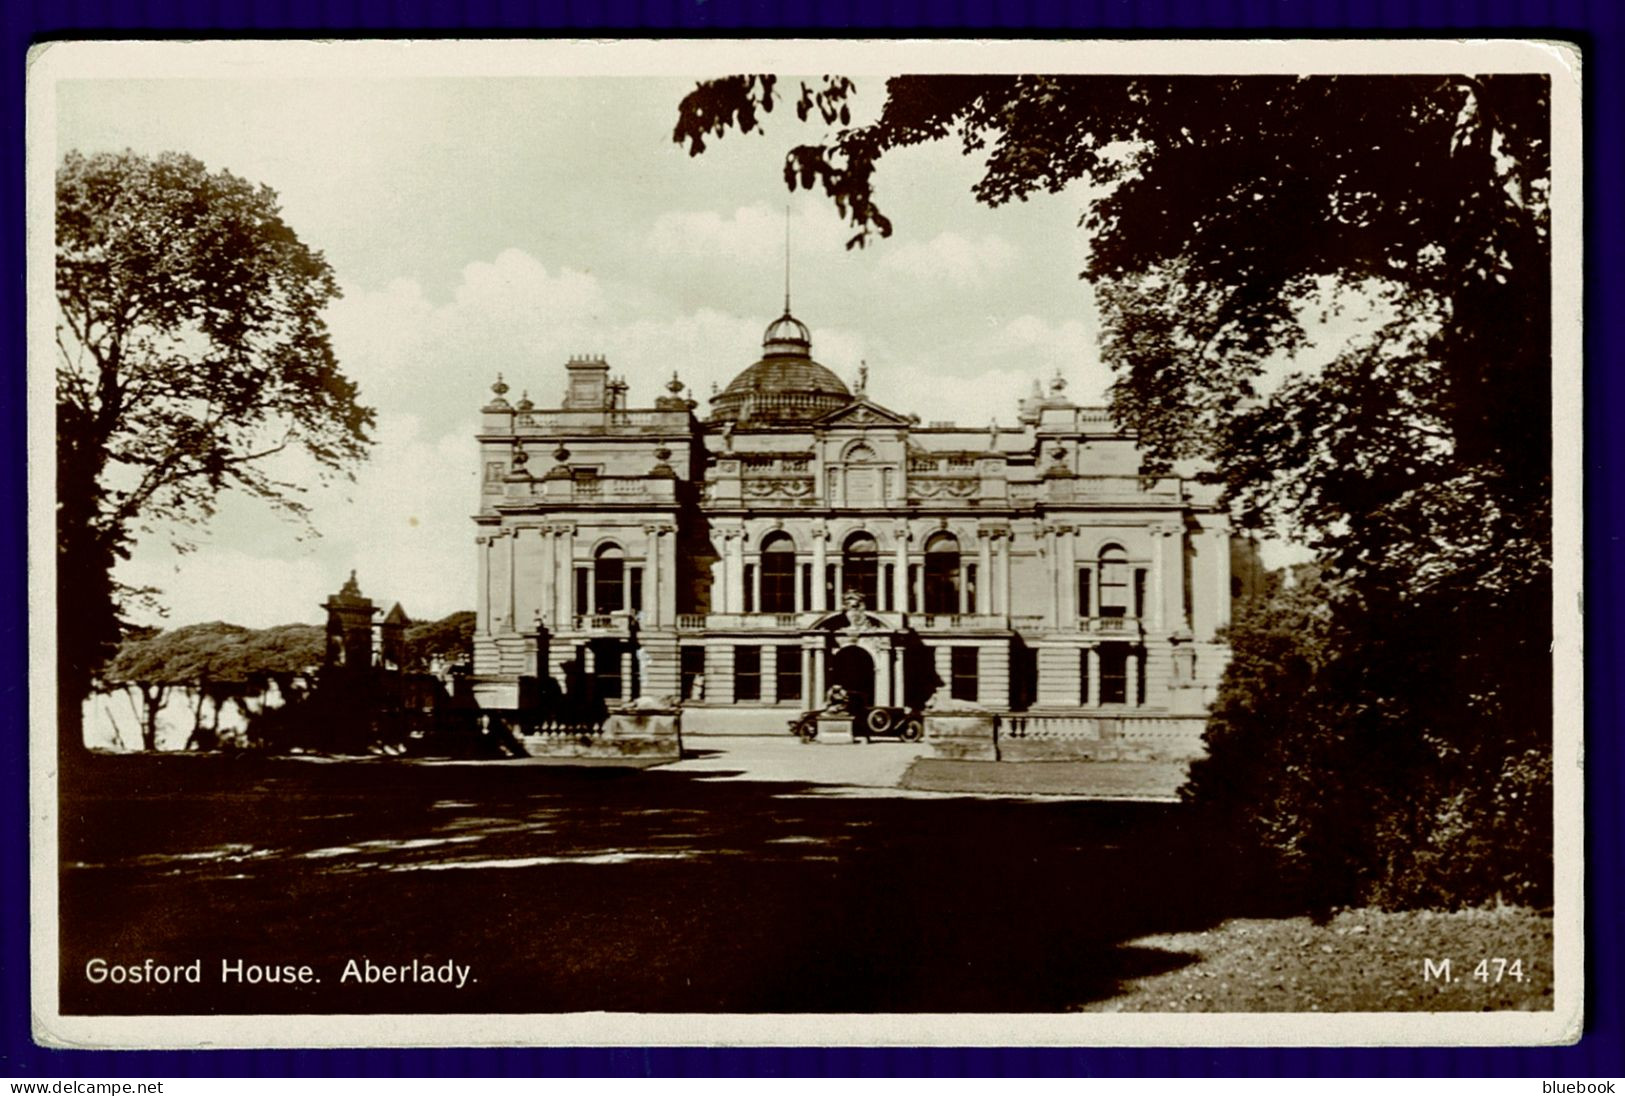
{"x": 867, "y": 655}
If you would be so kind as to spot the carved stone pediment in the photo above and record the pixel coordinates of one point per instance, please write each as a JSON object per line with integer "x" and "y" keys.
{"x": 862, "y": 412}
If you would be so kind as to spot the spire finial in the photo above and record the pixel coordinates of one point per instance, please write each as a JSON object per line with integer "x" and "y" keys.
{"x": 786, "y": 258}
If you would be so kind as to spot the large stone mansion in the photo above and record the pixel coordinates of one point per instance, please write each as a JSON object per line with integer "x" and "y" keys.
{"x": 800, "y": 536}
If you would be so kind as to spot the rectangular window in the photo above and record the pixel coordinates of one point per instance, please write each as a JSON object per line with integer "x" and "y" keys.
{"x": 970, "y": 587}
{"x": 1139, "y": 678}
{"x": 963, "y": 666}
{"x": 1084, "y": 609}
{"x": 806, "y": 586}
{"x": 787, "y": 672}
{"x": 1113, "y": 587}
{"x": 1139, "y": 592}
{"x": 1083, "y": 677}
{"x": 634, "y": 581}
{"x": 887, "y": 594}
{"x": 747, "y": 673}
{"x": 606, "y": 670}
{"x": 608, "y": 595}
{"x": 583, "y": 591}
{"x": 1114, "y": 673}
{"x": 691, "y": 669}
{"x": 914, "y": 587}
{"x": 750, "y": 587}
{"x": 830, "y": 600}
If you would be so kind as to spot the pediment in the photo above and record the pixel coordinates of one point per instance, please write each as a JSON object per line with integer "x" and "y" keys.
{"x": 862, "y": 412}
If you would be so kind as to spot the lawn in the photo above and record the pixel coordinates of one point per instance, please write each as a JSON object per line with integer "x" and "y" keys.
{"x": 596, "y": 888}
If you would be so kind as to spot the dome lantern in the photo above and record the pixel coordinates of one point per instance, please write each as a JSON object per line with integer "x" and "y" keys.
{"x": 786, "y": 385}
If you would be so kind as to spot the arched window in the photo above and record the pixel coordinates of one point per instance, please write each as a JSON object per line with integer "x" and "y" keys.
{"x": 1113, "y": 581}
{"x": 608, "y": 570}
{"x": 860, "y": 568}
{"x": 942, "y": 573}
{"x": 778, "y": 574}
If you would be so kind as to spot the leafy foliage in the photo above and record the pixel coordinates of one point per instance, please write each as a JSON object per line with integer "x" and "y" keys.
{"x": 1329, "y": 755}
{"x": 215, "y": 662}
{"x": 449, "y": 639}
{"x": 191, "y": 352}
{"x": 1395, "y": 741}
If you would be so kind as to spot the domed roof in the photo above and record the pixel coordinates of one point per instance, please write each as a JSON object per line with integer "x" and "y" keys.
{"x": 787, "y": 333}
{"x": 786, "y": 385}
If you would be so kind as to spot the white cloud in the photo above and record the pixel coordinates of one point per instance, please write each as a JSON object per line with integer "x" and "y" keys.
{"x": 951, "y": 259}
{"x": 402, "y": 526}
{"x": 752, "y": 235}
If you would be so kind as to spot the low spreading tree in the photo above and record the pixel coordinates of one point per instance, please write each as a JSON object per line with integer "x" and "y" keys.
{"x": 191, "y": 354}
{"x": 213, "y": 663}
{"x": 1230, "y": 214}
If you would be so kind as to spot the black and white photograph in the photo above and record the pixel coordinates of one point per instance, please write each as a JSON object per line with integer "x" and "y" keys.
{"x": 805, "y": 543}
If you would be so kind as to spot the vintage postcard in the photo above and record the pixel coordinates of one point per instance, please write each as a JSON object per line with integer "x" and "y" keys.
{"x": 877, "y": 542}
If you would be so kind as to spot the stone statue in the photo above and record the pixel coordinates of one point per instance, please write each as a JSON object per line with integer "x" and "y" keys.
{"x": 852, "y": 602}
{"x": 642, "y": 655}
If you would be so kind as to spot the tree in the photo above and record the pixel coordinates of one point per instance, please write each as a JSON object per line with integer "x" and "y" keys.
{"x": 449, "y": 639}
{"x": 137, "y": 669}
{"x": 215, "y": 662}
{"x": 1230, "y": 213}
{"x": 192, "y": 352}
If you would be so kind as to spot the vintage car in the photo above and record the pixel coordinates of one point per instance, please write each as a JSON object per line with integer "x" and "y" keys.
{"x": 906, "y": 724}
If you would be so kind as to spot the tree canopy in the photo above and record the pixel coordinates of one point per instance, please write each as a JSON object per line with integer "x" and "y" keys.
{"x": 449, "y": 639}
{"x": 213, "y": 661}
{"x": 1228, "y": 207}
{"x": 191, "y": 352}
{"x": 1226, "y": 217}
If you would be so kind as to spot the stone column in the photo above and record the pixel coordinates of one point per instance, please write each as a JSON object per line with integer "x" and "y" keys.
{"x": 1094, "y": 677}
{"x": 1068, "y": 604}
{"x": 1219, "y": 539}
{"x": 1004, "y": 539}
{"x": 736, "y": 569}
{"x": 809, "y": 688}
{"x": 651, "y": 572}
{"x": 820, "y": 562}
{"x": 482, "y": 548}
{"x": 668, "y": 562}
{"x": 546, "y": 578}
{"x": 501, "y": 574}
{"x": 1157, "y": 616}
{"x": 1051, "y": 547}
{"x": 984, "y": 572}
{"x": 1174, "y": 613}
{"x": 899, "y": 589}
{"x": 1066, "y": 573}
{"x": 725, "y": 567}
{"x": 883, "y": 680}
{"x": 817, "y": 688}
{"x": 564, "y": 558}
{"x": 514, "y": 623}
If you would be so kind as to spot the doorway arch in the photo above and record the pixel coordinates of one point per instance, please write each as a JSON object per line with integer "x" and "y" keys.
{"x": 853, "y": 669}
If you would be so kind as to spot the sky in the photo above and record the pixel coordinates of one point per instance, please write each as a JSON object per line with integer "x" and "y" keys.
{"x": 480, "y": 225}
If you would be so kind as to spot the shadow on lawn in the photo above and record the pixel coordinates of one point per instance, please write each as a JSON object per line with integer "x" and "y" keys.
{"x": 605, "y": 889}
